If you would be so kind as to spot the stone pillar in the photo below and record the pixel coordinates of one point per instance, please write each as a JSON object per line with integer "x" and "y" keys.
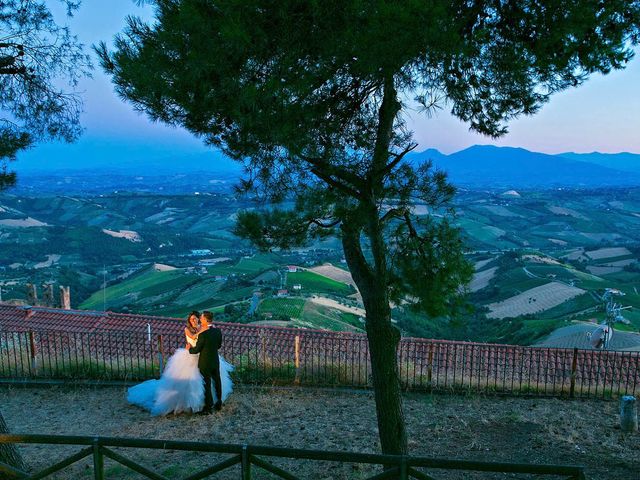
{"x": 628, "y": 414}
{"x": 65, "y": 297}
{"x": 32, "y": 294}
{"x": 47, "y": 295}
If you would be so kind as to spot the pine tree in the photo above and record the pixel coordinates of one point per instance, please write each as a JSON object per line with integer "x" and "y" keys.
{"x": 36, "y": 56}
{"x": 313, "y": 96}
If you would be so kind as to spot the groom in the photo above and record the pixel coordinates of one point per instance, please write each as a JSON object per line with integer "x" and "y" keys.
{"x": 209, "y": 341}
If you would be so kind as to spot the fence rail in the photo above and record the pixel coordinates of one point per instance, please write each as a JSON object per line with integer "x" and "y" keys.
{"x": 395, "y": 466}
{"x": 283, "y": 356}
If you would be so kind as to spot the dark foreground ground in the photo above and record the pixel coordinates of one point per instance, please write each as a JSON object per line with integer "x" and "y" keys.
{"x": 473, "y": 428}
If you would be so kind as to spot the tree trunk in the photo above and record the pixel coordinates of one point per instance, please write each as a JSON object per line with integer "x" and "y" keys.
{"x": 372, "y": 281}
{"x": 9, "y": 453}
{"x": 383, "y": 340}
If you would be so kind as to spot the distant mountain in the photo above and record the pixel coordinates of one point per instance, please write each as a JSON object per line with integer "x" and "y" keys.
{"x": 480, "y": 166}
{"x": 120, "y": 159}
{"x": 489, "y": 166}
{"x": 430, "y": 154}
{"x": 625, "y": 161}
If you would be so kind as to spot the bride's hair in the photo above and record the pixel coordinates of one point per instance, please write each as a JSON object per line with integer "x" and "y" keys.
{"x": 191, "y": 328}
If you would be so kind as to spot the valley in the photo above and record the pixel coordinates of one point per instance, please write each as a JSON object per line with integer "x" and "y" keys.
{"x": 543, "y": 260}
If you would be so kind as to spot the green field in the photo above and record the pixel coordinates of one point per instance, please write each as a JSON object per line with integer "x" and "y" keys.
{"x": 319, "y": 317}
{"x": 572, "y": 307}
{"x": 255, "y": 264}
{"x": 312, "y": 282}
{"x": 171, "y": 226}
{"x": 514, "y": 281}
{"x": 484, "y": 233}
{"x": 144, "y": 285}
{"x": 303, "y": 314}
{"x": 172, "y": 293}
{"x": 198, "y": 293}
{"x": 288, "y": 307}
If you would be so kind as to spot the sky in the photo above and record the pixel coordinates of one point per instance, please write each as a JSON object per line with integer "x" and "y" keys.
{"x": 602, "y": 115}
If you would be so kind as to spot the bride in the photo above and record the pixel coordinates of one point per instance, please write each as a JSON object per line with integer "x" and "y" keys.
{"x": 181, "y": 386}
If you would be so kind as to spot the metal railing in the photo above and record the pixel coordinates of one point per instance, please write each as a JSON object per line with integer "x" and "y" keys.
{"x": 303, "y": 357}
{"x": 247, "y": 456}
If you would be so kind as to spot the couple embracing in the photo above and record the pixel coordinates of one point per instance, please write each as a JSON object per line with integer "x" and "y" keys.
{"x": 187, "y": 380}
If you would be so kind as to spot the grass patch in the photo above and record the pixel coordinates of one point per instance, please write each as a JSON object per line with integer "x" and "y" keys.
{"x": 574, "y": 305}
{"x": 312, "y": 282}
{"x": 326, "y": 318}
{"x": 255, "y": 264}
{"x": 289, "y": 307}
{"x": 143, "y": 285}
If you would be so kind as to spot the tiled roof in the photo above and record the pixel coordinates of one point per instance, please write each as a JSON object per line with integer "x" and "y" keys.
{"x": 23, "y": 318}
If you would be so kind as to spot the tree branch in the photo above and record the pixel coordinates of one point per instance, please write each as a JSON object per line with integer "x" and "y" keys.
{"x": 13, "y": 71}
{"x": 387, "y": 112}
{"x": 321, "y": 164}
{"x": 392, "y": 213}
{"x": 358, "y": 266}
{"x": 325, "y": 225}
{"x": 407, "y": 219}
{"x": 399, "y": 156}
{"x": 413, "y": 233}
{"x": 334, "y": 183}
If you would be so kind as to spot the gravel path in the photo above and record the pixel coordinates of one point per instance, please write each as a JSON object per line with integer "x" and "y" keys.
{"x": 479, "y": 428}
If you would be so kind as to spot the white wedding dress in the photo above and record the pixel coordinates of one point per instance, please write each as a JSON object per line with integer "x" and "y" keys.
{"x": 180, "y": 387}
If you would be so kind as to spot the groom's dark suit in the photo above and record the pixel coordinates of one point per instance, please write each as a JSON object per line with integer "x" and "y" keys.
{"x": 207, "y": 346}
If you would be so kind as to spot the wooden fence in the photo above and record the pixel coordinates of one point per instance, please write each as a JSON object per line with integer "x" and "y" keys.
{"x": 251, "y": 457}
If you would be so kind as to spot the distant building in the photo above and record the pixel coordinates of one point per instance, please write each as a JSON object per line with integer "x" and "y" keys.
{"x": 213, "y": 261}
{"x": 282, "y": 293}
{"x": 220, "y": 278}
{"x": 510, "y": 194}
{"x": 292, "y": 269}
{"x": 197, "y": 253}
{"x": 297, "y": 286}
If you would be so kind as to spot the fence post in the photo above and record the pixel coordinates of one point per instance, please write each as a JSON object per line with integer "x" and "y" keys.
{"x": 246, "y": 463}
{"x": 628, "y": 414}
{"x": 32, "y": 344}
{"x": 404, "y": 471}
{"x": 574, "y": 367}
{"x": 430, "y": 367}
{"x": 296, "y": 359}
{"x": 98, "y": 460}
{"x": 160, "y": 354}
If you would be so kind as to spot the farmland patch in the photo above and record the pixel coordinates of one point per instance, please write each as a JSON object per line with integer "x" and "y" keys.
{"x": 534, "y": 300}
{"x": 608, "y": 253}
{"x": 481, "y": 279}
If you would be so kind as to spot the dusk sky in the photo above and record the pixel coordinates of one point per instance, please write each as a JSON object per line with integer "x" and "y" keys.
{"x": 602, "y": 115}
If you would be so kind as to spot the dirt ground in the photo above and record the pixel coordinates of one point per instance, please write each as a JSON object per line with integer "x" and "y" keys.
{"x": 472, "y": 428}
